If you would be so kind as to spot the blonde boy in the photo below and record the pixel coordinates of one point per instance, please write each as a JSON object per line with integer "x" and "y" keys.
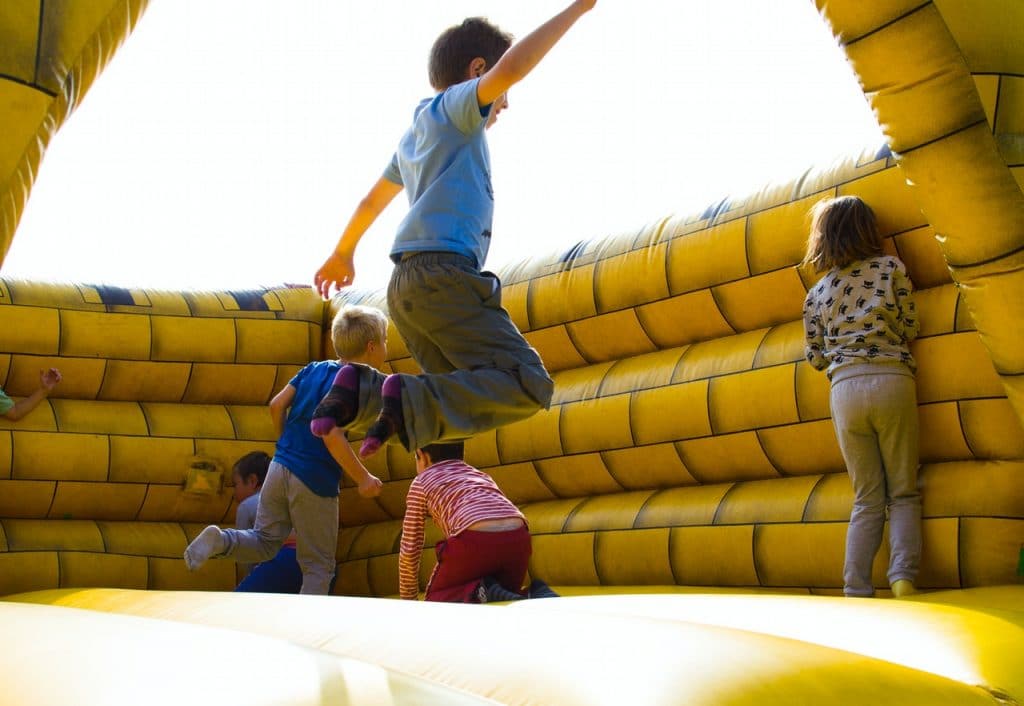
{"x": 302, "y": 484}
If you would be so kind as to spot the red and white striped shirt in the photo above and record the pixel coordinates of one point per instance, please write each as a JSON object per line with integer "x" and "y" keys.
{"x": 455, "y": 495}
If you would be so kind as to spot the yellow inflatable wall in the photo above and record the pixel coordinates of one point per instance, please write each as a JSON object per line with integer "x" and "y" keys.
{"x": 686, "y": 475}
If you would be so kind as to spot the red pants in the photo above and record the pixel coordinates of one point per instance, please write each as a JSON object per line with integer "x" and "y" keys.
{"x": 465, "y": 559}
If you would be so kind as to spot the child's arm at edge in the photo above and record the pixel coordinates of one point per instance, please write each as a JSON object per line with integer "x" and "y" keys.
{"x": 907, "y": 313}
{"x": 814, "y": 333}
{"x": 410, "y": 547}
{"x": 524, "y": 55}
{"x": 48, "y": 379}
{"x": 369, "y": 485}
{"x": 339, "y": 269}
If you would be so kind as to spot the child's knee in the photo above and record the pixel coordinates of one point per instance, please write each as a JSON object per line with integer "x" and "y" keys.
{"x": 269, "y": 545}
{"x": 537, "y": 384}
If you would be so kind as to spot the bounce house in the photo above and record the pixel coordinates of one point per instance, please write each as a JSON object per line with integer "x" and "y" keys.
{"x": 685, "y": 491}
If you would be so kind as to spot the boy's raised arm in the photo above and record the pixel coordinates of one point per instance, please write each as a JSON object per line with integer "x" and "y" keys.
{"x": 339, "y": 269}
{"x": 525, "y": 54}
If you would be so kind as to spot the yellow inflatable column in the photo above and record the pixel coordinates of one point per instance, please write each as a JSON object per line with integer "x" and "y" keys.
{"x": 50, "y": 54}
{"x": 935, "y": 74}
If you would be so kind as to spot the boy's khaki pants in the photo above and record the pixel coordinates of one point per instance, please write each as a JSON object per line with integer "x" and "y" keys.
{"x": 479, "y": 371}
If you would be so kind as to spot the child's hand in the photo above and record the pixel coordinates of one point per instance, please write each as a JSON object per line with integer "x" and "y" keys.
{"x": 338, "y": 271}
{"x": 370, "y": 488}
{"x": 48, "y": 379}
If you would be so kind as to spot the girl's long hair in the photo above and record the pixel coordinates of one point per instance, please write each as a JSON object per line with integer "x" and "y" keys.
{"x": 843, "y": 230}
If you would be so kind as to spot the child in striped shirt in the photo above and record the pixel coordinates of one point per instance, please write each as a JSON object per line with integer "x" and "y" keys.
{"x": 486, "y": 549}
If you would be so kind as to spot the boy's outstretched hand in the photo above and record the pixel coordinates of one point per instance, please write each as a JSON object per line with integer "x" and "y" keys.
{"x": 338, "y": 272}
{"x": 48, "y": 379}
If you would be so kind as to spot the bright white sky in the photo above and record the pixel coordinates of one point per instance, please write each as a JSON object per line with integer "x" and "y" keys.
{"x": 226, "y": 149}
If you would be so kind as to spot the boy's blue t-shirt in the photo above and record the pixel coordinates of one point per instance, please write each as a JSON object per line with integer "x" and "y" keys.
{"x": 445, "y": 166}
{"x": 298, "y": 450}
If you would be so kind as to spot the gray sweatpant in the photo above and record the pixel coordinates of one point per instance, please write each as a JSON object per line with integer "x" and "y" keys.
{"x": 875, "y": 418}
{"x": 286, "y": 502}
{"x": 479, "y": 372}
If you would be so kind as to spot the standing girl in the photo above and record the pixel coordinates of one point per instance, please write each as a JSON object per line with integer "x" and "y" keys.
{"x": 859, "y": 319}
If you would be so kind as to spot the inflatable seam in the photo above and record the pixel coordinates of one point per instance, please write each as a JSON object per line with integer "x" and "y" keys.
{"x": 879, "y": 28}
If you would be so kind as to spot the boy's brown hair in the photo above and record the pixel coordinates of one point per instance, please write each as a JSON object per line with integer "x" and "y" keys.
{"x": 354, "y": 327}
{"x": 459, "y": 45}
{"x": 451, "y": 451}
{"x": 843, "y": 230}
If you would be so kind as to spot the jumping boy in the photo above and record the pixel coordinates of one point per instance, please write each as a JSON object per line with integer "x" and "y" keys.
{"x": 301, "y": 487}
{"x": 479, "y": 371}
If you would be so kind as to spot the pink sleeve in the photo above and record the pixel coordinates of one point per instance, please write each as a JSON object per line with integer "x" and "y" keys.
{"x": 411, "y": 547}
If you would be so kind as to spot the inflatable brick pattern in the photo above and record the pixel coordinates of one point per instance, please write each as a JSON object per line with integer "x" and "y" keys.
{"x": 93, "y": 481}
{"x": 684, "y": 418}
{"x": 688, "y": 443}
{"x": 685, "y": 411}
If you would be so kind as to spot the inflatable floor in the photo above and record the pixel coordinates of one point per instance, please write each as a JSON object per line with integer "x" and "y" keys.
{"x": 685, "y": 490}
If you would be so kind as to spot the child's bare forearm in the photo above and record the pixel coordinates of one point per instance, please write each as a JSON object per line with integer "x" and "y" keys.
{"x": 339, "y": 268}
{"x": 277, "y": 418}
{"x": 367, "y": 211}
{"x": 525, "y": 54}
{"x": 360, "y": 221}
{"x": 24, "y": 406}
{"x": 339, "y": 448}
{"x": 279, "y": 408}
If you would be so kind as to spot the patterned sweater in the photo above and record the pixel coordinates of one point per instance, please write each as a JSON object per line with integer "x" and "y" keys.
{"x": 861, "y": 313}
{"x": 456, "y": 495}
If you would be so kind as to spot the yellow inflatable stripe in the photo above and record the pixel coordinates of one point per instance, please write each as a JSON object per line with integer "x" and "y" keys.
{"x": 26, "y": 498}
{"x": 688, "y": 666}
{"x": 147, "y": 652}
{"x": 971, "y": 430}
{"x": 674, "y": 322}
{"x": 977, "y": 655}
{"x": 977, "y": 428}
{"x": 991, "y": 429}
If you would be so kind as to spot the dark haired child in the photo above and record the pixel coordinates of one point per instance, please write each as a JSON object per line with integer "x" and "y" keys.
{"x": 486, "y": 550}
{"x": 478, "y": 370}
{"x": 281, "y": 574}
{"x": 248, "y": 475}
{"x": 859, "y": 319}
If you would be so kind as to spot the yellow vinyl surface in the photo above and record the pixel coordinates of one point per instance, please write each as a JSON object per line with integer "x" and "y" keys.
{"x": 654, "y": 649}
{"x": 68, "y": 656}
